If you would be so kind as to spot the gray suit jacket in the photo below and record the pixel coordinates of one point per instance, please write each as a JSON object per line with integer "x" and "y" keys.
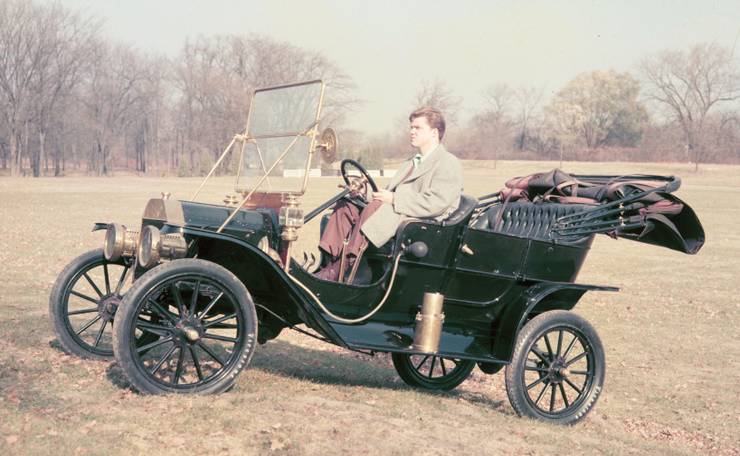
{"x": 431, "y": 191}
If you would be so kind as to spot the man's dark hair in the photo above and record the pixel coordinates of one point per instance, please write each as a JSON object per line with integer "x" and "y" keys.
{"x": 433, "y": 117}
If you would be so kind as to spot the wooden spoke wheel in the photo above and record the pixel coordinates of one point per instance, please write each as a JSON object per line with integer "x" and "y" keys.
{"x": 431, "y": 371}
{"x": 205, "y": 323}
{"x": 557, "y": 370}
{"x": 83, "y": 302}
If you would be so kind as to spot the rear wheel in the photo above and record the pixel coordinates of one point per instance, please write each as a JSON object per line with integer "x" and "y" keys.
{"x": 557, "y": 369}
{"x": 84, "y": 300}
{"x": 205, "y": 322}
{"x": 431, "y": 371}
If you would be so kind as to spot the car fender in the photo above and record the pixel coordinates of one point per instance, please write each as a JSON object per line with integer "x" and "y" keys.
{"x": 538, "y": 298}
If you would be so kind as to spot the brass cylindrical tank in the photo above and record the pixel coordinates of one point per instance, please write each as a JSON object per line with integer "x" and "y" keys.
{"x": 429, "y": 323}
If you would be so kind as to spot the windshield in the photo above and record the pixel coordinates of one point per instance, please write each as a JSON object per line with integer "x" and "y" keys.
{"x": 281, "y": 126}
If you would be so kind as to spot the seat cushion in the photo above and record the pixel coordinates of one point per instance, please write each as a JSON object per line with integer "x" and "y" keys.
{"x": 525, "y": 219}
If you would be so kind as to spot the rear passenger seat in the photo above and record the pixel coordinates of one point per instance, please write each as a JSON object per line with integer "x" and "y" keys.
{"x": 526, "y": 219}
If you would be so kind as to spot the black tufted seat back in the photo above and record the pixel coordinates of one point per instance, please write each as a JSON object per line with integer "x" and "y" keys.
{"x": 525, "y": 219}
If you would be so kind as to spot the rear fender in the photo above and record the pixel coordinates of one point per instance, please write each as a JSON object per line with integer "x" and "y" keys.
{"x": 539, "y": 298}
{"x": 266, "y": 281}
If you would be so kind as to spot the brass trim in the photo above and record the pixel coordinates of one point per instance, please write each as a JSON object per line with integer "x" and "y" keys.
{"x": 429, "y": 323}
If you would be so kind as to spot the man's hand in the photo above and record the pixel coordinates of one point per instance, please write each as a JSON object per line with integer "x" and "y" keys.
{"x": 383, "y": 195}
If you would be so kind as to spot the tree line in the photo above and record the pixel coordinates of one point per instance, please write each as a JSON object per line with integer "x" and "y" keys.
{"x": 72, "y": 101}
{"x": 677, "y": 105}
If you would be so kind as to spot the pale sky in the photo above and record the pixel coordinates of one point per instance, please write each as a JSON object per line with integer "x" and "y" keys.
{"x": 390, "y": 47}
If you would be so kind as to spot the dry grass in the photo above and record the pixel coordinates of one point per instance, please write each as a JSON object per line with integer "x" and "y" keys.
{"x": 670, "y": 336}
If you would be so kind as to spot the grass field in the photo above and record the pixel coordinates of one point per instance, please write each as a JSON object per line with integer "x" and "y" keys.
{"x": 671, "y": 339}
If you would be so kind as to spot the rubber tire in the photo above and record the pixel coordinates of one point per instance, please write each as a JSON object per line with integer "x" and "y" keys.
{"x": 405, "y": 369}
{"x": 56, "y": 311}
{"x": 532, "y": 331}
{"x": 127, "y": 313}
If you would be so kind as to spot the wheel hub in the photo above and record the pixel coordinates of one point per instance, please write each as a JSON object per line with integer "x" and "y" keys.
{"x": 558, "y": 370}
{"x": 108, "y": 305}
{"x": 189, "y": 330}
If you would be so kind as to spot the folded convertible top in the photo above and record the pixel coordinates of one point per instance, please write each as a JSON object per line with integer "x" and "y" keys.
{"x": 636, "y": 207}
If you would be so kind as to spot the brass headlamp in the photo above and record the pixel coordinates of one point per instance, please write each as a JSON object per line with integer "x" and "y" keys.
{"x": 155, "y": 247}
{"x": 119, "y": 242}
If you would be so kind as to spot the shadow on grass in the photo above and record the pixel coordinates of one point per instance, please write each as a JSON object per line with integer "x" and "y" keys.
{"x": 285, "y": 359}
{"x": 341, "y": 369}
{"x": 116, "y": 376}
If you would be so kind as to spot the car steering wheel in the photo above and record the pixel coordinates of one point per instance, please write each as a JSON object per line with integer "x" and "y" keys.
{"x": 356, "y": 186}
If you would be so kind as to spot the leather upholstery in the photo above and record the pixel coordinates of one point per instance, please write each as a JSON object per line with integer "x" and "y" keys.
{"x": 525, "y": 219}
{"x": 463, "y": 211}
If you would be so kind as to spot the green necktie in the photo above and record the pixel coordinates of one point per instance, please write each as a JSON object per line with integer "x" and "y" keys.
{"x": 417, "y": 160}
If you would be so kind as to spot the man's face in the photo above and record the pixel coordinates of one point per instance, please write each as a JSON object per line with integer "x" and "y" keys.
{"x": 420, "y": 133}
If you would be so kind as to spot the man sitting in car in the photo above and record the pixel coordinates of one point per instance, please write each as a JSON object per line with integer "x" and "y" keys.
{"x": 427, "y": 186}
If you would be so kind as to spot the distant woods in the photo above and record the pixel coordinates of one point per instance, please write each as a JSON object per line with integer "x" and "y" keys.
{"x": 74, "y": 102}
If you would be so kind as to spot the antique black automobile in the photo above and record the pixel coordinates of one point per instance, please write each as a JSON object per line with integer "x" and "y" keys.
{"x": 490, "y": 286}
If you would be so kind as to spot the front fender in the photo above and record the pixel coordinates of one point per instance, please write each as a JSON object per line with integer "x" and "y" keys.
{"x": 263, "y": 277}
{"x": 534, "y": 300}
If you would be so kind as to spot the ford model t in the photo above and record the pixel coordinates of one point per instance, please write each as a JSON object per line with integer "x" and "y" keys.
{"x": 491, "y": 286}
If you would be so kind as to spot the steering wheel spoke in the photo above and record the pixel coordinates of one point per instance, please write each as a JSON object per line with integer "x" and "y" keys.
{"x": 357, "y": 185}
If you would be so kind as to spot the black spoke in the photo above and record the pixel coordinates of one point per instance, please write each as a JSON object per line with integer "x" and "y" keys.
{"x": 418, "y": 367}
{"x": 152, "y": 328}
{"x": 578, "y": 390}
{"x": 207, "y": 324}
{"x": 83, "y": 311}
{"x": 570, "y": 346}
{"x": 210, "y": 305}
{"x": 536, "y": 382}
{"x": 88, "y": 324}
{"x": 156, "y": 343}
{"x": 565, "y": 397}
{"x": 178, "y": 299}
{"x": 100, "y": 333}
{"x": 576, "y": 359}
{"x": 119, "y": 285}
{"x": 178, "y": 369}
{"x": 431, "y": 369}
{"x": 541, "y": 356}
{"x": 538, "y": 369}
{"x": 194, "y": 297}
{"x": 549, "y": 347}
{"x": 163, "y": 359}
{"x": 196, "y": 361}
{"x": 542, "y": 393}
{"x": 217, "y": 337}
{"x": 92, "y": 284}
{"x": 560, "y": 341}
{"x": 107, "y": 278}
{"x": 211, "y": 353}
{"x": 155, "y": 305}
{"x": 552, "y": 397}
{"x": 80, "y": 295}
{"x": 442, "y": 363}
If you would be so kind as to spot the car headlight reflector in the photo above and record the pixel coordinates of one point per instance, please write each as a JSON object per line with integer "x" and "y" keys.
{"x": 119, "y": 242}
{"x": 155, "y": 246}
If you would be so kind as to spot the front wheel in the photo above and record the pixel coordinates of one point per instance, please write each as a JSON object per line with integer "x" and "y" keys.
{"x": 557, "y": 369}
{"x": 432, "y": 372}
{"x": 83, "y": 302}
{"x": 206, "y": 325}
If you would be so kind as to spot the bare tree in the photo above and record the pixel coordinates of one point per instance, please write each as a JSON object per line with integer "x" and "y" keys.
{"x": 689, "y": 85}
{"x": 527, "y": 100}
{"x": 110, "y": 98}
{"x": 437, "y": 95}
{"x": 20, "y": 62}
{"x": 66, "y": 40}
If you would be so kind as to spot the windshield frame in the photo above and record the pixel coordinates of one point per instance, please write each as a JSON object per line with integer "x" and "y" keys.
{"x": 311, "y": 132}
